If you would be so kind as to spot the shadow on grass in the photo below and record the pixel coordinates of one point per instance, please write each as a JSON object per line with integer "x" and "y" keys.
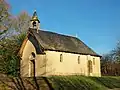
{"x": 19, "y": 83}
{"x": 107, "y": 81}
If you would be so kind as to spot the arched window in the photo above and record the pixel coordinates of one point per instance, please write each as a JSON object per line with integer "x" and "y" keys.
{"x": 32, "y": 64}
{"x": 78, "y": 59}
{"x": 61, "y": 58}
{"x": 33, "y": 54}
{"x": 93, "y": 61}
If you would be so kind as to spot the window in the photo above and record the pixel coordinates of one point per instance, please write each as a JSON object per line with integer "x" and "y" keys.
{"x": 33, "y": 54}
{"x": 78, "y": 59}
{"x": 61, "y": 58}
{"x": 93, "y": 61}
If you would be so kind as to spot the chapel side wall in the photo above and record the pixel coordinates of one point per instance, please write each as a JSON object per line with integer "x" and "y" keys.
{"x": 69, "y": 65}
{"x": 25, "y": 62}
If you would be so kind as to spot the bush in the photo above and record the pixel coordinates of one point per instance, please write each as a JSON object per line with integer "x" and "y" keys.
{"x": 9, "y": 59}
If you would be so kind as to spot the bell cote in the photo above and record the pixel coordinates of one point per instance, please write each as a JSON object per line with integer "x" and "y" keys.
{"x": 34, "y": 22}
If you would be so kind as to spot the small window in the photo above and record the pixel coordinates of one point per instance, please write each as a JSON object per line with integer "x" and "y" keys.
{"x": 61, "y": 58}
{"x": 78, "y": 59}
{"x": 32, "y": 56}
{"x": 93, "y": 61}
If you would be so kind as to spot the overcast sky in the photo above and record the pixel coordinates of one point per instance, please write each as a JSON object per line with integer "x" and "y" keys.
{"x": 95, "y": 22}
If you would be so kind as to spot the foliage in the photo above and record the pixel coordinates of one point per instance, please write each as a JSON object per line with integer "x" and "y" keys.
{"x": 11, "y": 25}
{"x": 113, "y": 55}
{"x": 110, "y": 63}
{"x": 17, "y": 25}
{"x": 116, "y": 53}
{"x": 4, "y": 16}
{"x": 9, "y": 59}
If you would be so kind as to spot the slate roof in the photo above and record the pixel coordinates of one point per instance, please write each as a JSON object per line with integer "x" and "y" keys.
{"x": 58, "y": 42}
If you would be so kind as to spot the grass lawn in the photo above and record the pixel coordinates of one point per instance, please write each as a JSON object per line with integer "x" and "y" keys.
{"x": 75, "y": 82}
{"x": 84, "y": 83}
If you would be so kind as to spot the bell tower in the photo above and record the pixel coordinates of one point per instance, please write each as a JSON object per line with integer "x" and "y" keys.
{"x": 34, "y": 22}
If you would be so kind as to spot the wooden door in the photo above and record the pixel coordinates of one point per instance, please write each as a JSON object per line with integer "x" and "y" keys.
{"x": 90, "y": 69}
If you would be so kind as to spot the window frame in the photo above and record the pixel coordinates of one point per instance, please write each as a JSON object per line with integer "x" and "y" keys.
{"x": 61, "y": 57}
{"x": 78, "y": 59}
{"x": 93, "y": 61}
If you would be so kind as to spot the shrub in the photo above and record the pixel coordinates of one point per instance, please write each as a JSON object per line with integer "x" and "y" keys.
{"x": 9, "y": 59}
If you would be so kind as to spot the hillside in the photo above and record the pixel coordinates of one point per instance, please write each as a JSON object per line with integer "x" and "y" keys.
{"x": 59, "y": 83}
{"x": 84, "y": 83}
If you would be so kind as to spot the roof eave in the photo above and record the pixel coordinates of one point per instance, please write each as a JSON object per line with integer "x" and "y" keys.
{"x": 73, "y": 52}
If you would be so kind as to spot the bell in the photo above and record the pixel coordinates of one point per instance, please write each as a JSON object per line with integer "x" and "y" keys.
{"x": 34, "y": 24}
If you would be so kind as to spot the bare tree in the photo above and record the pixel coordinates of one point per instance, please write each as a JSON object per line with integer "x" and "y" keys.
{"x": 20, "y": 23}
{"x": 17, "y": 25}
{"x": 4, "y": 16}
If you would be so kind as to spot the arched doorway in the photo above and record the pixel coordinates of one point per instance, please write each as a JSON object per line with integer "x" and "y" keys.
{"x": 32, "y": 65}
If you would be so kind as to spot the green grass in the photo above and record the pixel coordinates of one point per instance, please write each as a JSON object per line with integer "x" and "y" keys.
{"x": 107, "y": 81}
{"x": 84, "y": 83}
{"x": 75, "y": 82}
